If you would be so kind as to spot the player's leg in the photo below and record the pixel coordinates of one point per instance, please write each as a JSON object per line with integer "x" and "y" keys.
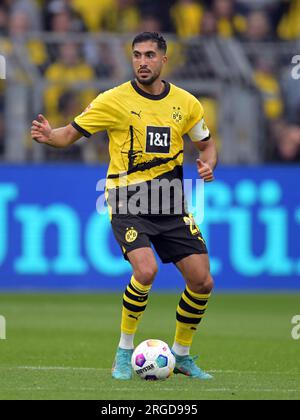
{"x": 194, "y": 300}
{"x": 135, "y": 297}
{"x": 135, "y": 300}
{"x": 182, "y": 243}
{"x": 191, "y": 310}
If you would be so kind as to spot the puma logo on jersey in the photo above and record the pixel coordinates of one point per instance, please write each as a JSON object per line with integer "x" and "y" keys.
{"x": 137, "y": 113}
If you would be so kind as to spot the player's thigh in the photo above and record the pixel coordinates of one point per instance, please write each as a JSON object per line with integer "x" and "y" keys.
{"x": 130, "y": 233}
{"x": 180, "y": 237}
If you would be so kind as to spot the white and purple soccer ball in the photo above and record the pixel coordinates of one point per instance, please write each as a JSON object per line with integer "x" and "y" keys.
{"x": 152, "y": 360}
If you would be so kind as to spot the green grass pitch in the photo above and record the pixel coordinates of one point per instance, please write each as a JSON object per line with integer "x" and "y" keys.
{"x": 62, "y": 347}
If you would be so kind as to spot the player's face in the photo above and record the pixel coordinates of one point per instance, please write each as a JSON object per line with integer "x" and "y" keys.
{"x": 148, "y": 62}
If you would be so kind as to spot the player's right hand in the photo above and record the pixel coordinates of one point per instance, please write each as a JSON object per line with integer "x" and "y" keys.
{"x": 41, "y": 129}
{"x": 205, "y": 171}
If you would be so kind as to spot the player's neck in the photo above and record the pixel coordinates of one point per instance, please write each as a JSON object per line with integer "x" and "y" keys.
{"x": 156, "y": 88}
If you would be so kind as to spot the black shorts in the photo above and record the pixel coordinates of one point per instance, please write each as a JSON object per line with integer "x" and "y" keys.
{"x": 173, "y": 237}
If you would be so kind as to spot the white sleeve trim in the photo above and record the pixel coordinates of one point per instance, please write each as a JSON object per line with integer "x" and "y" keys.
{"x": 199, "y": 132}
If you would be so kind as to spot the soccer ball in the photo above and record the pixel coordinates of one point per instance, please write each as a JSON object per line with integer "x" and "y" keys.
{"x": 152, "y": 360}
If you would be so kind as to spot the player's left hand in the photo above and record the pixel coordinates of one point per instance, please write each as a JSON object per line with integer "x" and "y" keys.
{"x": 204, "y": 170}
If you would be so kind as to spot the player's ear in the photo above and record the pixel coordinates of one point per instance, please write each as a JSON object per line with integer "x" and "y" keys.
{"x": 165, "y": 59}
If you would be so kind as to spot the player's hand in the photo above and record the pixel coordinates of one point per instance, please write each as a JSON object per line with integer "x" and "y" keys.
{"x": 41, "y": 129}
{"x": 204, "y": 170}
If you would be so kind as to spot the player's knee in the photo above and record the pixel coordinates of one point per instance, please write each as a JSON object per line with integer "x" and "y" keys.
{"x": 208, "y": 284}
{"x": 146, "y": 275}
{"x": 203, "y": 283}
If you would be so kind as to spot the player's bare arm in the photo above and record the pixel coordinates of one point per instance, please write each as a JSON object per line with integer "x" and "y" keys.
{"x": 207, "y": 160}
{"x": 42, "y": 132}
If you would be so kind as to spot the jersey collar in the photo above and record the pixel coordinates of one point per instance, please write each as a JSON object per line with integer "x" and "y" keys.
{"x": 148, "y": 95}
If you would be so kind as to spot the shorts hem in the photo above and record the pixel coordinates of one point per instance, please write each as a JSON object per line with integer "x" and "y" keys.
{"x": 130, "y": 250}
{"x": 178, "y": 258}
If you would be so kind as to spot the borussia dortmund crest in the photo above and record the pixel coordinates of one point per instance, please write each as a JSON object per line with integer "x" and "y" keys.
{"x": 131, "y": 235}
{"x": 176, "y": 114}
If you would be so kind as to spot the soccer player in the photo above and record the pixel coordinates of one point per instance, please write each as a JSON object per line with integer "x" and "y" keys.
{"x": 146, "y": 120}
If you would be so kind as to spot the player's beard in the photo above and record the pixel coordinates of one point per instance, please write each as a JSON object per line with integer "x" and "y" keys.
{"x": 147, "y": 82}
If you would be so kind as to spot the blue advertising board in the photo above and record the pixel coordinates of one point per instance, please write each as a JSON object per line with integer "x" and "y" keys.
{"x": 52, "y": 237}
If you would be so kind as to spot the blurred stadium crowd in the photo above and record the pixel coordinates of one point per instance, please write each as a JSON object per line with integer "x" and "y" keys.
{"x": 259, "y": 26}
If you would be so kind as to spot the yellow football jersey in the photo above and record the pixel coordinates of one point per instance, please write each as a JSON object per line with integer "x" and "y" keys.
{"x": 145, "y": 131}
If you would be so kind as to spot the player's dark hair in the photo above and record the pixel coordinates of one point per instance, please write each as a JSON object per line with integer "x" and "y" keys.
{"x": 151, "y": 36}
